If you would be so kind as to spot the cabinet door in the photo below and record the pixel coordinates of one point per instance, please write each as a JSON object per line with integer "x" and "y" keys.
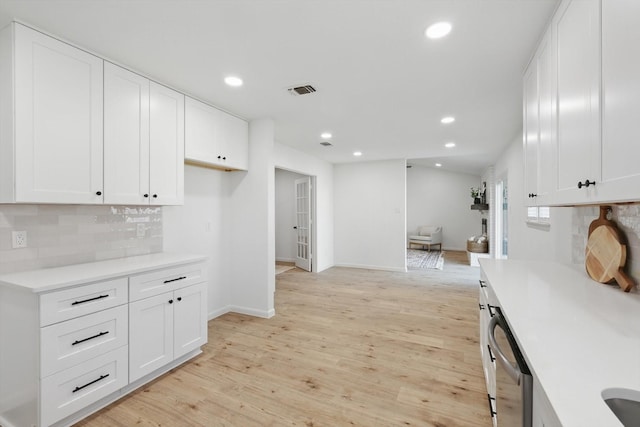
{"x": 166, "y": 158}
{"x": 235, "y": 140}
{"x": 58, "y": 119}
{"x": 621, "y": 99}
{"x": 577, "y": 34}
{"x": 531, "y": 132}
{"x": 190, "y": 319}
{"x": 547, "y": 141}
{"x": 202, "y": 139}
{"x": 126, "y": 136}
{"x": 150, "y": 334}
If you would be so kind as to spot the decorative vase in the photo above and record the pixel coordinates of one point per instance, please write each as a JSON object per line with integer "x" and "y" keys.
{"x": 476, "y": 201}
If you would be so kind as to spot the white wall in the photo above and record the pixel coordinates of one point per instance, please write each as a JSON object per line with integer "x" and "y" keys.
{"x": 285, "y": 205}
{"x": 197, "y": 227}
{"x": 297, "y": 161}
{"x": 525, "y": 241}
{"x": 249, "y": 227}
{"x": 370, "y": 214}
{"x": 439, "y": 197}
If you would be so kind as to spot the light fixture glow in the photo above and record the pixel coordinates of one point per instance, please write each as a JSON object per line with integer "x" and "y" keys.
{"x": 357, "y": 153}
{"x": 438, "y": 30}
{"x": 438, "y": 165}
{"x": 326, "y": 135}
{"x": 447, "y": 120}
{"x": 450, "y": 144}
{"x": 233, "y": 81}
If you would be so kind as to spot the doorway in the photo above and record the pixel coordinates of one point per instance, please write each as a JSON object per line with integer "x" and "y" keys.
{"x": 294, "y": 220}
{"x": 502, "y": 217}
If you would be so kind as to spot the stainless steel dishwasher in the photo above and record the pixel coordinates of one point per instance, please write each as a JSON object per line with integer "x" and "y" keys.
{"x": 514, "y": 384}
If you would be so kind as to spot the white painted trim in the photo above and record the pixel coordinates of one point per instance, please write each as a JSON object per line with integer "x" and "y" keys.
{"x": 285, "y": 260}
{"x": 219, "y": 312}
{"x": 253, "y": 312}
{"x": 372, "y": 267}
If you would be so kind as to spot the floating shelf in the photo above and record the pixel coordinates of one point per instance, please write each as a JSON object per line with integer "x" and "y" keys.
{"x": 480, "y": 207}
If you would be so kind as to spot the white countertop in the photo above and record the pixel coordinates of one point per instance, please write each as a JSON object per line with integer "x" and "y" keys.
{"x": 578, "y": 336}
{"x": 49, "y": 279}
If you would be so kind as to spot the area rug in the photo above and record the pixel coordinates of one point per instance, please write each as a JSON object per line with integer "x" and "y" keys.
{"x": 420, "y": 260}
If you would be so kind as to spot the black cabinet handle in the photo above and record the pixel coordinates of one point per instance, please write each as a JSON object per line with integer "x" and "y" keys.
{"x": 155, "y": 196}
{"x": 98, "y": 193}
{"x": 493, "y": 359}
{"x": 219, "y": 157}
{"x": 179, "y": 298}
{"x": 587, "y": 183}
{"x": 482, "y": 283}
{"x": 92, "y": 382}
{"x": 489, "y": 398}
{"x": 481, "y": 306}
{"x": 492, "y": 313}
{"x": 532, "y": 195}
{"x": 174, "y": 280}
{"x": 170, "y": 301}
{"x": 90, "y": 299}
{"x": 295, "y": 227}
{"x": 224, "y": 158}
{"x": 90, "y": 338}
{"x": 146, "y": 195}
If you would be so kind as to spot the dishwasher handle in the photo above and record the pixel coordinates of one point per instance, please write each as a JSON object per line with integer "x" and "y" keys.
{"x": 512, "y": 371}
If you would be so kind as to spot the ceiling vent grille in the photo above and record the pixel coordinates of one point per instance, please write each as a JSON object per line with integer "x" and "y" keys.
{"x": 326, "y": 143}
{"x": 301, "y": 90}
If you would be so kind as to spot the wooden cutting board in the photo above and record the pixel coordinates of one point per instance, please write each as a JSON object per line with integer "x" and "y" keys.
{"x": 606, "y": 253}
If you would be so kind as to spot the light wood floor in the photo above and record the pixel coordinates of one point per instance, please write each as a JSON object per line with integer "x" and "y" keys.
{"x": 347, "y": 347}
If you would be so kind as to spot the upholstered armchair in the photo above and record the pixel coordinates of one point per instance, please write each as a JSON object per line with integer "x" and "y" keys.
{"x": 427, "y": 235}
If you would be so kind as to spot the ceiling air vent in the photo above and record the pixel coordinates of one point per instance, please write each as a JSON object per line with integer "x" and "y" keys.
{"x": 301, "y": 90}
{"x": 326, "y": 143}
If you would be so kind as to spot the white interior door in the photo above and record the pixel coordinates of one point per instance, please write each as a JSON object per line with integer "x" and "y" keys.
{"x": 303, "y": 223}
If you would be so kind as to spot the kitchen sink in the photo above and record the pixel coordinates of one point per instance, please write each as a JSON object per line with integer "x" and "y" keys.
{"x": 625, "y": 403}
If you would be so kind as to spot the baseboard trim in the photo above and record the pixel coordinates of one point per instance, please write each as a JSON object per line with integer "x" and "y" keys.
{"x": 373, "y": 267}
{"x": 219, "y": 312}
{"x": 265, "y": 314}
{"x": 293, "y": 260}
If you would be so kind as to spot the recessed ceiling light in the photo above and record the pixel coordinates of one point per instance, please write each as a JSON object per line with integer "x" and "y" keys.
{"x": 438, "y": 30}
{"x": 447, "y": 120}
{"x": 438, "y": 165}
{"x": 450, "y": 144}
{"x": 357, "y": 153}
{"x": 326, "y": 135}
{"x": 233, "y": 81}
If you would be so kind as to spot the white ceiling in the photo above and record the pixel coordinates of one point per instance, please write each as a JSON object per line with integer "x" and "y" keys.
{"x": 382, "y": 86}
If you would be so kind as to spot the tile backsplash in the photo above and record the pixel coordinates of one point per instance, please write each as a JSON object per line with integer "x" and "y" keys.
{"x": 70, "y": 234}
{"x": 626, "y": 217}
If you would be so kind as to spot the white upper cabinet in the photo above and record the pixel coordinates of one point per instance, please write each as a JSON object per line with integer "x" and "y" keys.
{"x": 52, "y": 128}
{"x": 215, "y": 138}
{"x": 539, "y": 135}
{"x": 166, "y": 145}
{"x": 621, "y": 100}
{"x": 577, "y": 33}
{"x": 126, "y": 136}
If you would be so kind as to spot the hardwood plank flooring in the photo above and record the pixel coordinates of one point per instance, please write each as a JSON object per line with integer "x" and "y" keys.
{"x": 347, "y": 347}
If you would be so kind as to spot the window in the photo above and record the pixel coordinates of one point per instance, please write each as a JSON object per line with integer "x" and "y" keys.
{"x": 538, "y": 215}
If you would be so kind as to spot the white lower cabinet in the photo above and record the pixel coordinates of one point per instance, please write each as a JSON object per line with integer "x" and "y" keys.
{"x": 75, "y": 349}
{"x": 165, "y": 327}
{"x": 488, "y": 361}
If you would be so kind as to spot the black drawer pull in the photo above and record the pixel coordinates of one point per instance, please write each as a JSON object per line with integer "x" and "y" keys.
{"x": 173, "y": 280}
{"x": 90, "y": 299}
{"x": 492, "y": 313}
{"x": 482, "y": 283}
{"x": 493, "y": 359}
{"x": 92, "y": 382}
{"x": 179, "y": 298}
{"x": 90, "y": 338}
{"x": 489, "y": 398}
{"x": 481, "y": 306}
{"x": 587, "y": 183}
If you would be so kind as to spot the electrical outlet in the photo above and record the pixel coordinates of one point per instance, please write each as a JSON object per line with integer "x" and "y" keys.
{"x": 18, "y": 239}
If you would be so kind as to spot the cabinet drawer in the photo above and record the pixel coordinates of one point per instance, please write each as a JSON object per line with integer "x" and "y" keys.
{"x": 68, "y": 391}
{"x": 69, "y": 303}
{"x": 66, "y": 344}
{"x": 161, "y": 281}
